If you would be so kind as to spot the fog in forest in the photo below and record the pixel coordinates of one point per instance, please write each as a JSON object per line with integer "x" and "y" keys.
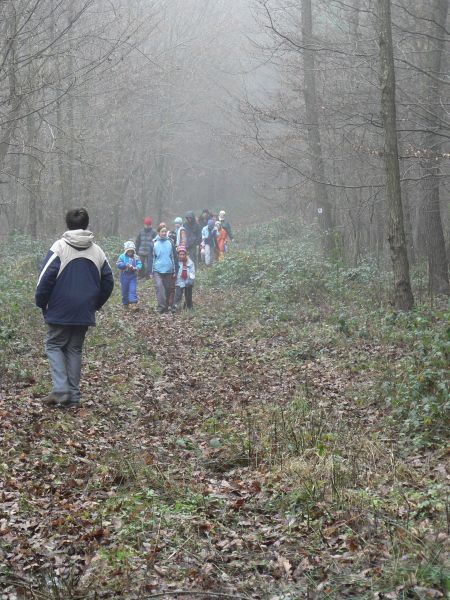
{"x": 247, "y": 402}
{"x": 263, "y": 108}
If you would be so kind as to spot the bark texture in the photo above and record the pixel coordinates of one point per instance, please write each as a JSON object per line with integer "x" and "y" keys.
{"x": 431, "y": 165}
{"x": 313, "y": 131}
{"x": 403, "y": 297}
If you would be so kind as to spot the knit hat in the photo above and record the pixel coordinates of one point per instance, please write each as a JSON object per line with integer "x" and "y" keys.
{"x": 210, "y": 222}
{"x": 181, "y": 248}
{"x": 178, "y": 221}
{"x": 129, "y": 246}
{"x": 221, "y": 215}
{"x": 148, "y": 221}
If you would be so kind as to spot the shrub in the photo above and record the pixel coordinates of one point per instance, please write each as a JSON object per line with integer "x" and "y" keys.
{"x": 420, "y": 392}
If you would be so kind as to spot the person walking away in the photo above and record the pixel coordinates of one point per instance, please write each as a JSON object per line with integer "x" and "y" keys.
{"x": 144, "y": 247}
{"x": 180, "y": 232}
{"x": 75, "y": 281}
{"x": 185, "y": 279}
{"x": 209, "y": 242}
{"x": 165, "y": 265}
{"x": 204, "y": 217}
{"x": 222, "y": 241}
{"x": 193, "y": 235}
{"x": 129, "y": 265}
{"x": 225, "y": 224}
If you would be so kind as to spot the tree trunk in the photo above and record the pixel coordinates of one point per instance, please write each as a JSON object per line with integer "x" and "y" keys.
{"x": 430, "y": 206}
{"x": 85, "y": 168}
{"x": 70, "y": 120}
{"x": 33, "y": 178}
{"x": 380, "y": 235}
{"x": 61, "y": 144}
{"x": 160, "y": 169}
{"x": 408, "y": 228}
{"x": 314, "y": 143}
{"x": 403, "y": 297}
{"x": 7, "y": 132}
{"x": 14, "y": 192}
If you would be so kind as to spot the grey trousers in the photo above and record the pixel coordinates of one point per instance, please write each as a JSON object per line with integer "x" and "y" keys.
{"x": 143, "y": 273}
{"x": 64, "y": 345}
{"x": 187, "y": 296}
{"x": 163, "y": 284}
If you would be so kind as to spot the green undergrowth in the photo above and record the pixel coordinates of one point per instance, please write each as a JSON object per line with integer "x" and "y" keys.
{"x": 20, "y": 320}
{"x": 276, "y": 284}
{"x": 19, "y": 317}
{"x": 341, "y": 476}
{"x": 276, "y": 291}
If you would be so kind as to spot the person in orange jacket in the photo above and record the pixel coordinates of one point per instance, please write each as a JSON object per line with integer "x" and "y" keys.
{"x": 223, "y": 240}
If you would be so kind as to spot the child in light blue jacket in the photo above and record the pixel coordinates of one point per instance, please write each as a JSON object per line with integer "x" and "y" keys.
{"x": 129, "y": 264}
{"x": 185, "y": 278}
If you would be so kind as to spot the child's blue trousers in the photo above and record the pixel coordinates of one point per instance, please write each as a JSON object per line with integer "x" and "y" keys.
{"x": 128, "y": 283}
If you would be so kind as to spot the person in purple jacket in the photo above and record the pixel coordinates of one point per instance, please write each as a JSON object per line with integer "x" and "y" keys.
{"x": 75, "y": 281}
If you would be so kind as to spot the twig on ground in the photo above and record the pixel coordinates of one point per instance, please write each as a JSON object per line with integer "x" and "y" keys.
{"x": 196, "y": 593}
{"x": 179, "y": 547}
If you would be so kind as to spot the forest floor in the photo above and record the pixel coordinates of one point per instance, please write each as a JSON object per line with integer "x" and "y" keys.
{"x": 214, "y": 456}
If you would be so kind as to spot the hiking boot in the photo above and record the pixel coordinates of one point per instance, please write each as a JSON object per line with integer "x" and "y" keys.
{"x": 54, "y": 399}
{"x": 69, "y": 402}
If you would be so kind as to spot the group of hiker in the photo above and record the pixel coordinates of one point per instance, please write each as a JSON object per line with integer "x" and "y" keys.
{"x": 170, "y": 257}
{"x": 76, "y": 280}
{"x": 205, "y": 239}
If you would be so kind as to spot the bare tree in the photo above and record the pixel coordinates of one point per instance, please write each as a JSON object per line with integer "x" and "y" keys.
{"x": 312, "y": 126}
{"x": 396, "y": 236}
{"x": 433, "y": 117}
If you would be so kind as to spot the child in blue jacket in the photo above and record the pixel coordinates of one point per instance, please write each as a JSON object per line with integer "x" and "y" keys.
{"x": 129, "y": 264}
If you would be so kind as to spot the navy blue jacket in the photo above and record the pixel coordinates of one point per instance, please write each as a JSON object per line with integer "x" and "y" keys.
{"x": 75, "y": 281}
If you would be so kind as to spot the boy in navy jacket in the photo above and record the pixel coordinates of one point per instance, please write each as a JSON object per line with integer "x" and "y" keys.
{"x": 75, "y": 281}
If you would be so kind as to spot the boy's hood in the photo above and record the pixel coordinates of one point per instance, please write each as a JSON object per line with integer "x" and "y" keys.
{"x": 80, "y": 238}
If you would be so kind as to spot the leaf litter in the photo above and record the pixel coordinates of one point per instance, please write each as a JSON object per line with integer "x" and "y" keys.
{"x": 208, "y": 461}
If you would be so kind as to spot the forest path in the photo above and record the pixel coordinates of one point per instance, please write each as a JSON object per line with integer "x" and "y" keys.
{"x": 182, "y": 466}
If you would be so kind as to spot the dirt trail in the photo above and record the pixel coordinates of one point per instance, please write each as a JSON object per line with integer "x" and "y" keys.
{"x": 62, "y": 469}
{"x": 161, "y": 480}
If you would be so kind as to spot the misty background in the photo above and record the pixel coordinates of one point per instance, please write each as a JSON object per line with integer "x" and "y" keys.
{"x": 264, "y": 108}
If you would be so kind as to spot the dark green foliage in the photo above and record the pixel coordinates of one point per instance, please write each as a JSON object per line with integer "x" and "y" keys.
{"x": 419, "y": 392}
{"x": 283, "y": 278}
{"x": 20, "y": 260}
{"x": 282, "y": 261}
